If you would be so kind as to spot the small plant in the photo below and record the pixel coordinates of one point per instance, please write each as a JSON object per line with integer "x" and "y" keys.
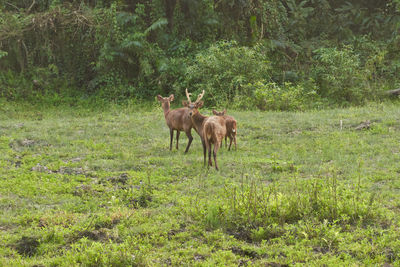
{"x": 27, "y": 245}
{"x": 139, "y": 196}
{"x": 3, "y": 54}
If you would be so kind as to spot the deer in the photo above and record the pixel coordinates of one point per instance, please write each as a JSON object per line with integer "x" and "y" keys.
{"x": 176, "y": 119}
{"x": 211, "y": 129}
{"x": 231, "y": 128}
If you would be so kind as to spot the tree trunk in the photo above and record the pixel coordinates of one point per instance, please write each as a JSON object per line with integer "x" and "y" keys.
{"x": 169, "y": 12}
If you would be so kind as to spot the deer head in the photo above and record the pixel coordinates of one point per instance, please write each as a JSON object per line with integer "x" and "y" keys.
{"x": 219, "y": 113}
{"x": 193, "y": 106}
{"x": 165, "y": 102}
{"x": 165, "y": 99}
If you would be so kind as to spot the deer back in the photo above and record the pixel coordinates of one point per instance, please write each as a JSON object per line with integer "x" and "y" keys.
{"x": 179, "y": 119}
{"x": 214, "y": 129}
{"x": 230, "y": 122}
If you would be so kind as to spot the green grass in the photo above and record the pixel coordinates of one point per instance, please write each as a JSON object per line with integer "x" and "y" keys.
{"x": 100, "y": 187}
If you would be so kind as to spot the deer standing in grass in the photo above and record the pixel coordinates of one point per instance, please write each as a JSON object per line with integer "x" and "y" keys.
{"x": 178, "y": 120}
{"x": 211, "y": 129}
{"x": 231, "y": 128}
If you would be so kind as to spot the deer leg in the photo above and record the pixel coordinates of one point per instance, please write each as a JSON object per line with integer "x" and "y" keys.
{"x": 204, "y": 150}
{"x": 225, "y": 141}
{"x": 177, "y": 138}
{"x": 230, "y": 143}
{"x": 215, "y": 155}
{"x": 209, "y": 155}
{"x": 171, "y": 135}
{"x": 190, "y": 137}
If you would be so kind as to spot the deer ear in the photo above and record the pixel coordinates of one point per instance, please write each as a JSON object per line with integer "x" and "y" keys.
{"x": 185, "y": 103}
{"x": 199, "y": 104}
{"x": 159, "y": 98}
{"x": 171, "y": 97}
{"x": 224, "y": 112}
{"x": 214, "y": 112}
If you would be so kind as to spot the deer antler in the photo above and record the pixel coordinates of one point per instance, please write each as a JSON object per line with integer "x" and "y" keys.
{"x": 200, "y": 97}
{"x": 188, "y": 96}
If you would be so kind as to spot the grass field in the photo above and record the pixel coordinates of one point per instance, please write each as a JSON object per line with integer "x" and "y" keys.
{"x": 101, "y": 188}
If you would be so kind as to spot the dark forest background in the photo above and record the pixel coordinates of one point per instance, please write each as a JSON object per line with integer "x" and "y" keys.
{"x": 246, "y": 54}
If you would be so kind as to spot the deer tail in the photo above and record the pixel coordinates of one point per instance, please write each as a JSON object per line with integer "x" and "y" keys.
{"x": 209, "y": 130}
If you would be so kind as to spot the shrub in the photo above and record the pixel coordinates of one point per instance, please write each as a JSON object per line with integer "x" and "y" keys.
{"x": 224, "y": 69}
{"x": 271, "y": 96}
{"x": 43, "y": 81}
{"x": 380, "y": 59}
{"x": 339, "y": 75}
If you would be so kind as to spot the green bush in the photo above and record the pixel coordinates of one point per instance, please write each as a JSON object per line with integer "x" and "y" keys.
{"x": 380, "y": 59}
{"x": 171, "y": 75}
{"x": 340, "y": 76}
{"x": 271, "y": 96}
{"x": 240, "y": 77}
{"x": 127, "y": 62}
{"x": 224, "y": 69}
{"x": 38, "y": 82}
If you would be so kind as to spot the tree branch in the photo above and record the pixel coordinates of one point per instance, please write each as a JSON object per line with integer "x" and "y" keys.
{"x": 33, "y": 3}
{"x": 393, "y": 92}
{"x": 12, "y": 5}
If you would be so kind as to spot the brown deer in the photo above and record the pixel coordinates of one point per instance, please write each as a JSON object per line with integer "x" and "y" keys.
{"x": 211, "y": 129}
{"x": 214, "y": 132}
{"x": 231, "y": 128}
{"x": 177, "y": 119}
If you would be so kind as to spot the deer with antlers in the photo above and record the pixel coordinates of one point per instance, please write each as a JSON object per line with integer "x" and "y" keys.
{"x": 231, "y": 128}
{"x": 211, "y": 129}
{"x": 176, "y": 119}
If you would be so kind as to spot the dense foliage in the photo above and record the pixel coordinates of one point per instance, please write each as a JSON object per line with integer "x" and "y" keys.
{"x": 266, "y": 54}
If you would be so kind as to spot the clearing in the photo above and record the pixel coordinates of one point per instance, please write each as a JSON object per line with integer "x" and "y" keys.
{"x": 95, "y": 188}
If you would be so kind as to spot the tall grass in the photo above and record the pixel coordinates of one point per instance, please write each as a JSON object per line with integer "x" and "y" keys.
{"x": 254, "y": 211}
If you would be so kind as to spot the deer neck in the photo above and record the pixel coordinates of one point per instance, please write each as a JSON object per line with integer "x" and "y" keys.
{"x": 165, "y": 107}
{"x": 198, "y": 122}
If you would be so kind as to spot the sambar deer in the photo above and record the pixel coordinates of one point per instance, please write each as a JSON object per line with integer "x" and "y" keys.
{"x": 211, "y": 129}
{"x": 231, "y": 127}
{"x": 176, "y": 119}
